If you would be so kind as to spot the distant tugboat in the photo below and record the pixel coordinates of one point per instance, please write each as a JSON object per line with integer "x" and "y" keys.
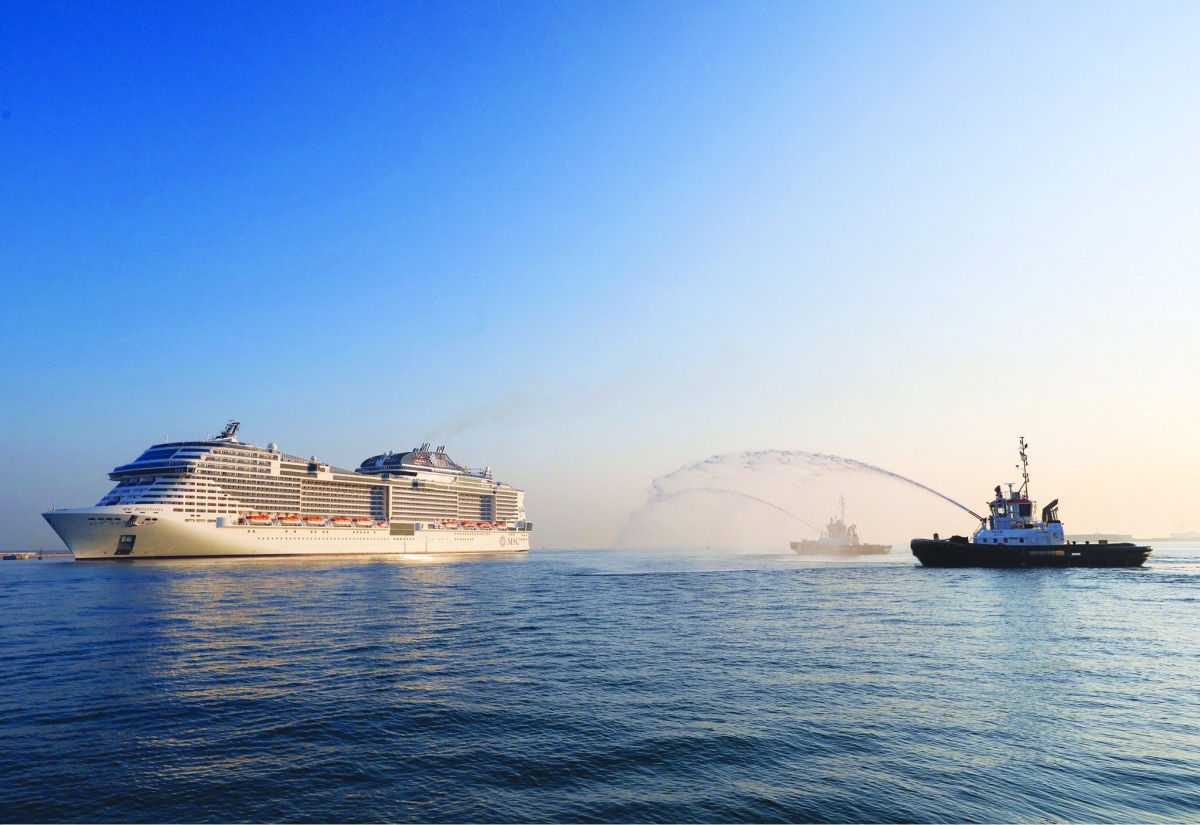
{"x": 839, "y": 539}
{"x": 1009, "y": 537}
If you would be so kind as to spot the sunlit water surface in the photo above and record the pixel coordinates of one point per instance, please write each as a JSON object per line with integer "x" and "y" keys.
{"x": 599, "y": 686}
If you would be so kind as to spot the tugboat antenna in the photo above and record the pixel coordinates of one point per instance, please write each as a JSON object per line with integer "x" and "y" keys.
{"x": 1024, "y": 469}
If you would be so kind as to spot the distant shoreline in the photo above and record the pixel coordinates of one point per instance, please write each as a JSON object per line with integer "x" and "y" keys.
{"x": 24, "y": 555}
{"x": 1119, "y": 537}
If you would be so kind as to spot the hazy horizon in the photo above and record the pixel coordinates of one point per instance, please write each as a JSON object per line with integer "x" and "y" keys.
{"x": 590, "y": 245}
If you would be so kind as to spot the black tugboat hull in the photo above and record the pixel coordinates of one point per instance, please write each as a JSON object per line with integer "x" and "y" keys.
{"x": 958, "y": 552}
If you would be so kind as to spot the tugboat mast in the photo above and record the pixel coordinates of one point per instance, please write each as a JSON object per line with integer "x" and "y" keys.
{"x": 1024, "y": 470}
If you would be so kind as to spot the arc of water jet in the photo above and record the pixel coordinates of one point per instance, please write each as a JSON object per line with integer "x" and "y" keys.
{"x": 660, "y": 495}
{"x": 852, "y": 463}
{"x": 750, "y": 459}
{"x": 865, "y": 466}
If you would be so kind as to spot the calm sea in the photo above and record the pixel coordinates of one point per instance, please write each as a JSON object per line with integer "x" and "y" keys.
{"x": 604, "y": 686}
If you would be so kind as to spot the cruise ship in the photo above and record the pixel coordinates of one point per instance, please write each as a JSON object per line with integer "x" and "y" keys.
{"x": 221, "y": 497}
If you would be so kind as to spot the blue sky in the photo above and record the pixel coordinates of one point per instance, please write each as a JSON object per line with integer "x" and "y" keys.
{"x": 588, "y": 243}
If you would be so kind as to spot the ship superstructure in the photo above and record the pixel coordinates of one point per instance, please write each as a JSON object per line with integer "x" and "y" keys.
{"x": 221, "y": 497}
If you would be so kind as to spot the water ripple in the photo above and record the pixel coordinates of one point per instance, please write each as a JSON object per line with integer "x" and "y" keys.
{"x": 599, "y": 687}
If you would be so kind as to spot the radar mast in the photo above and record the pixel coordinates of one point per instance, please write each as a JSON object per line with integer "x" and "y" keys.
{"x": 1024, "y": 491}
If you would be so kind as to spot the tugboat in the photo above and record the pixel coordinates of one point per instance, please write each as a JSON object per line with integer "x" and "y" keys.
{"x": 839, "y": 539}
{"x": 1010, "y": 537}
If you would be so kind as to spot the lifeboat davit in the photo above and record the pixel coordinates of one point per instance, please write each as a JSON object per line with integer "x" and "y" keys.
{"x": 340, "y": 521}
{"x": 314, "y": 521}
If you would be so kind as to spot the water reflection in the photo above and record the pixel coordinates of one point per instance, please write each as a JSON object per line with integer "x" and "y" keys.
{"x": 253, "y": 630}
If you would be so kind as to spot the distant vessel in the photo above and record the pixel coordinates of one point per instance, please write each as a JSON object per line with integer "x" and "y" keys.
{"x": 1010, "y": 537}
{"x": 839, "y": 539}
{"x": 220, "y": 497}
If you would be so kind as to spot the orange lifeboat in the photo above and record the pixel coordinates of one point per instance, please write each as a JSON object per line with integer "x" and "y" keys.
{"x": 363, "y": 522}
{"x": 340, "y": 521}
{"x": 468, "y": 525}
{"x": 290, "y": 521}
{"x": 450, "y": 523}
{"x": 502, "y": 525}
{"x": 258, "y": 520}
{"x": 314, "y": 521}
{"x": 485, "y": 525}
{"x": 381, "y": 524}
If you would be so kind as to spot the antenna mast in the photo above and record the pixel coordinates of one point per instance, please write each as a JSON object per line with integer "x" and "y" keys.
{"x": 1024, "y": 469}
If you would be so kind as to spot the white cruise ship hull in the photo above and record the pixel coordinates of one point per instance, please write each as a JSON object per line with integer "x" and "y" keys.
{"x": 99, "y": 533}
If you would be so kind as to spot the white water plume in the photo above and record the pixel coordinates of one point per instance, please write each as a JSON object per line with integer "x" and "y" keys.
{"x": 760, "y": 500}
